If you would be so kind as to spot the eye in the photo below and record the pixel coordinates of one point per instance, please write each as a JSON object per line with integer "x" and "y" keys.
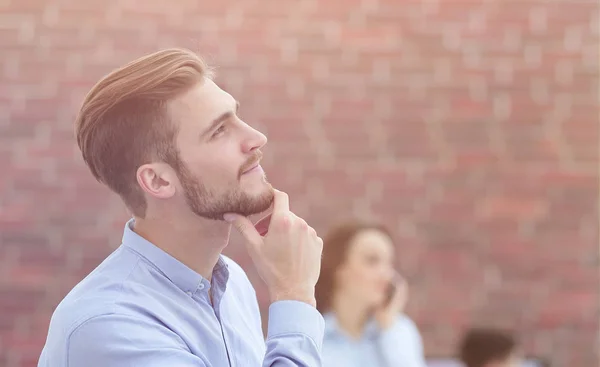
{"x": 372, "y": 259}
{"x": 220, "y": 130}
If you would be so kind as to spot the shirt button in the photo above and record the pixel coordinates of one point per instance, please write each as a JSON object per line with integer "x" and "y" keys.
{"x": 201, "y": 286}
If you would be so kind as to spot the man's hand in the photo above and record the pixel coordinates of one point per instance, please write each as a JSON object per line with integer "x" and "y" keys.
{"x": 288, "y": 257}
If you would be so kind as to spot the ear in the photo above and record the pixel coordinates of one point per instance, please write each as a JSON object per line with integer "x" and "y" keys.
{"x": 157, "y": 180}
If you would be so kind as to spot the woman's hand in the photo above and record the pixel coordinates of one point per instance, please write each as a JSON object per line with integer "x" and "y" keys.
{"x": 388, "y": 312}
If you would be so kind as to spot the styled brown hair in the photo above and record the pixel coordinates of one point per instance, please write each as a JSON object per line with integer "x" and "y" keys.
{"x": 480, "y": 346}
{"x": 123, "y": 122}
{"x": 335, "y": 251}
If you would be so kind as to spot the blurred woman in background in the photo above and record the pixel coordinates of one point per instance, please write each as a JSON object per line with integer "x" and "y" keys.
{"x": 362, "y": 300}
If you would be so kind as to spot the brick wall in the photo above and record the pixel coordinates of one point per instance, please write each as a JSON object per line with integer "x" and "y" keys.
{"x": 469, "y": 127}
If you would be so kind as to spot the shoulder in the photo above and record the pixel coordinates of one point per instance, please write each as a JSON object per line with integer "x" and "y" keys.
{"x": 330, "y": 322}
{"x": 121, "y": 326}
{"x": 96, "y": 294}
{"x": 407, "y": 323}
{"x": 333, "y": 337}
{"x": 123, "y": 283}
{"x": 335, "y": 345}
{"x": 406, "y": 329}
{"x": 125, "y": 340}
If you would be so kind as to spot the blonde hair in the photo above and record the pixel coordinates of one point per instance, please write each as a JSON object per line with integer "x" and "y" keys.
{"x": 124, "y": 123}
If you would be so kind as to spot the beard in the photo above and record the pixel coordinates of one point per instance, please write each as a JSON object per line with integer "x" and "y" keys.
{"x": 208, "y": 204}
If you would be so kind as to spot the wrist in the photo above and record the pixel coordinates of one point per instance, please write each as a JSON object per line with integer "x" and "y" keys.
{"x": 306, "y": 296}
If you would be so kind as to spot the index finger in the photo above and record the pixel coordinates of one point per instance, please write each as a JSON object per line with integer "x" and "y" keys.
{"x": 398, "y": 279}
{"x": 281, "y": 203}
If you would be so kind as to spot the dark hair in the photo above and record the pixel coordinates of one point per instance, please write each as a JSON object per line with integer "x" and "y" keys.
{"x": 480, "y": 346}
{"x": 335, "y": 250}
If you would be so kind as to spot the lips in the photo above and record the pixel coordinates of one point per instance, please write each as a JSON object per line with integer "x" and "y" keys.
{"x": 252, "y": 164}
{"x": 252, "y": 167}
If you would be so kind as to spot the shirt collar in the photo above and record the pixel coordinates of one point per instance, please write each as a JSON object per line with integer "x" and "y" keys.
{"x": 178, "y": 273}
{"x": 332, "y": 328}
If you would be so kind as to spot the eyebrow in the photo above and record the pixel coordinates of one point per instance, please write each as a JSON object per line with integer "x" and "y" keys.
{"x": 216, "y": 122}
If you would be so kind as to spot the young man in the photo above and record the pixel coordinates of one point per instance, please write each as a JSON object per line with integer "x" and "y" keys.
{"x": 162, "y": 135}
{"x": 489, "y": 348}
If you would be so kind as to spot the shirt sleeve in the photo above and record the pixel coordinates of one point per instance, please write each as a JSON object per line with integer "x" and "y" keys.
{"x": 401, "y": 344}
{"x": 294, "y": 336}
{"x": 124, "y": 341}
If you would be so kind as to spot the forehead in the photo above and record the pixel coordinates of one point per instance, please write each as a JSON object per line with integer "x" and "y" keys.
{"x": 198, "y": 107}
{"x": 371, "y": 240}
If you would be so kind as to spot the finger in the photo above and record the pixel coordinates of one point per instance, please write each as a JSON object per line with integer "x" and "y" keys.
{"x": 401, "y": 292}
{"x": 262, "y": 226}
{"x": 301, "y": 223}
{"x": 246, "y": 229}
{"x": 399, "y": 280}
{"x": 281, "y": 204}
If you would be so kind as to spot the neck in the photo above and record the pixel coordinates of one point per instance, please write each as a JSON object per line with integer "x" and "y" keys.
{"x": 350, "y": 315}
{"x": 196, "y": 242}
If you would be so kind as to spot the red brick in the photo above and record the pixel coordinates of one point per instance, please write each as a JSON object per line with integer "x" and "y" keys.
{"x": 517, "y": 208}
{"x": 467, "y": 194}
{"x": 574, "y": 308}
{"x": 18, "y": 300}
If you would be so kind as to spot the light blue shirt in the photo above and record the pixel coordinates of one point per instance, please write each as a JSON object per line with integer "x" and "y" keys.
{"x": 143, "y": 308}
{"x": 399, "y": 346}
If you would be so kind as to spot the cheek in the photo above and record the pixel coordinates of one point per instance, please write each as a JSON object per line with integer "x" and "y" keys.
{"x": 215, "y": 173}
{"x": 360, "y": 278}
{"x": 216, "y": 158}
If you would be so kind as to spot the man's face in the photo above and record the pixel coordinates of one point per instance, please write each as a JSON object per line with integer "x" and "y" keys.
{"x": 218, "y": 167}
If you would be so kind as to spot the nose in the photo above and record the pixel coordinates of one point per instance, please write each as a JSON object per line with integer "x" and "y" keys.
{"x": 254, "y": 140}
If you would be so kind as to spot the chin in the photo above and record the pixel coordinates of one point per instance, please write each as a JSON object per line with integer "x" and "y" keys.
{"x": 378, "y": 299}
{"x": 261, "y": 189}
{"x": 261, "y": 197}
{"x": 255, "y": 182}
{"x": 368, "y": 300}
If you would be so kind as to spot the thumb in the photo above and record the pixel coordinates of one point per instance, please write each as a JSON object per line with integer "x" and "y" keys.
{"x": 245, "y": 227}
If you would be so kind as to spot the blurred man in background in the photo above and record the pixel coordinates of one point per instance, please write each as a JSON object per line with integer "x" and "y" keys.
{"x": 162, "y": 135}
{"x": 489, "y": 348}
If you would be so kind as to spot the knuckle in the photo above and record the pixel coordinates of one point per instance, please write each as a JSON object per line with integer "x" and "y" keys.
{"x": 303, "y": 224}
{"x": 294, "y": 220}
{"x": 285, "y": 221}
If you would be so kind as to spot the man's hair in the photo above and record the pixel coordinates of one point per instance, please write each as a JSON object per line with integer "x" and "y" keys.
{"x": 480, "y": 346}
{"x": 124, "y": 123}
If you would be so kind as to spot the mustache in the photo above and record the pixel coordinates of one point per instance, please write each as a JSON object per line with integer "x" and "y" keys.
{"x": 252, "y": 161}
